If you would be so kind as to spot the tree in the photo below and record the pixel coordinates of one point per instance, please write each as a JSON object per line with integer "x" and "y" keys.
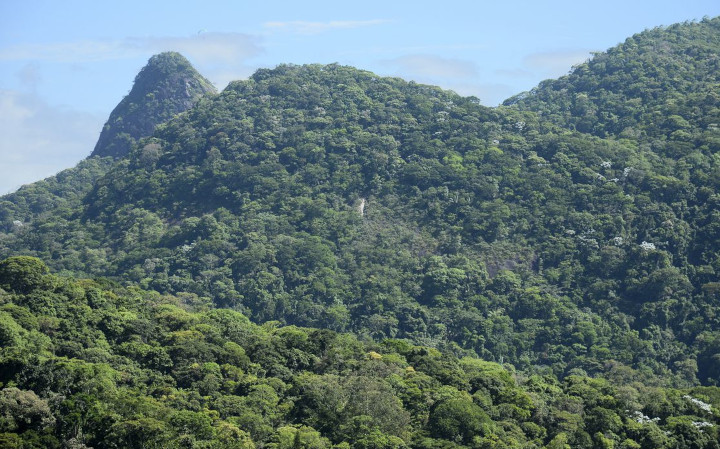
{"x": 21, "y": 410}
{"x": 142, "y": 433}
{"x": 23, "y": 274}
{"x": 298, "y": 437}
{"x": 459, "y": 420}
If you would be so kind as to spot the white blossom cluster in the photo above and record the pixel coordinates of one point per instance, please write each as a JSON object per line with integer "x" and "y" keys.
{"x": 18, "y": 223}
{"x": 150, "y": 264}
{"x": 702, "y": 405}
{"x": 606, "y": 164}
{"x": 618, "y": 241}
{"x": 643, "y": 419}
{"x": 588, "y": 242}
{"x": 701, "y": 424}
{"x": 647, "y": 246}
{"x": 627, "y": 171}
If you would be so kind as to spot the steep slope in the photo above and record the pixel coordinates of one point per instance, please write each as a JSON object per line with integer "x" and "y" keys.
{"x": 165, "y": 87}
{"x": 658, "y": 93}
{"x": 56, "y": 195}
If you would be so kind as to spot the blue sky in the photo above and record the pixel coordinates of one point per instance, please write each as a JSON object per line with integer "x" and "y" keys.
{"x": 65, "y": 65}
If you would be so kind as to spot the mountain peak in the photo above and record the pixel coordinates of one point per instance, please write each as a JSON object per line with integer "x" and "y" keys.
{"x": 165, "y": 87}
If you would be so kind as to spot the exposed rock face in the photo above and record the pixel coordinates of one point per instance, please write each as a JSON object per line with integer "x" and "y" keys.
{"x": 165, "y": 87}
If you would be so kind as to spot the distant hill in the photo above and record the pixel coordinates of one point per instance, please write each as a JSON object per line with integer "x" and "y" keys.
{"x": 537, "y": 233}
{"x": 165, "y": 87}
{"x": 661, "y": 86}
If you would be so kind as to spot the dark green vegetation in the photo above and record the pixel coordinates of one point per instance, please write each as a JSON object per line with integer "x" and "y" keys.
{"x": 165, "y": 87}
{"x": 571, "y": 235}
{"x": 92, "y": 364}
{"x": 659, "y": 87}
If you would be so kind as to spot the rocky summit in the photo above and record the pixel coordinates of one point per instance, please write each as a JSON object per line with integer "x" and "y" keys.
{"x": 165, "y": 87}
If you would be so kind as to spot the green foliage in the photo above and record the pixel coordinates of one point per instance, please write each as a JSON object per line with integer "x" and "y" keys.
{"x": 497, "y": 232}
{"x": 23, "y": 410}
{"x": 23, "y": 274}
{"x": 140, "y": 369}
{"x": 542, "y": 274}
{"x": 459, "y": 420}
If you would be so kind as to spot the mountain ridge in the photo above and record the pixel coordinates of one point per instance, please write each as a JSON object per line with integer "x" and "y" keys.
{"x": 489, "y": 229}
{"x": 541, "y": 275}
{"x": 675, "y": 68}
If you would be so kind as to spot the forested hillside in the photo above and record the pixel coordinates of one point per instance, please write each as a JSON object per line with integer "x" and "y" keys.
{"x": 91, "y": 364}
{"x": 570, "y": 234}
{"x": 62, "y": 193}
{"x": 489, "y": 230}
{"x": 659, "y": 87}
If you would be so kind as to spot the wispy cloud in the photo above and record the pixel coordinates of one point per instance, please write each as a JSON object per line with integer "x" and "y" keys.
{"x": 29, "y": 75}
{"x": 203, "y": 47}
{"x": 515, "y": 73}
{"x": 433, "y": 67}
{"x": 222, "y": 57}
{"x": 68, "y": 52}
{"x": 387, "y": 49}
{"x": 555, "y": 63}
{"x": 39, "y": 140}
{"x": 307, "y": 27}
{"x": 208, "y": 48}
{"x": 459, "y": 75}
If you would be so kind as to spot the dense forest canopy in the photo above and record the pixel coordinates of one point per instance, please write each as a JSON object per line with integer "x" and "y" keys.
{"x": 93, "y": 364}
{"x": 568, "y": 238}
{"x": 659, "y": 87}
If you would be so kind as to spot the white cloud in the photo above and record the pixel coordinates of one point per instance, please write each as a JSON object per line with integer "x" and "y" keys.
{"x": 68, "y": 52}
{"x": 458, "y": 75}
{"x": 203, "y": 47}
{"x": 556, "y": 63}
{"x": 39, "y": 140}
{"x": 221, "y": 57}
{"x": 433, "y": 67}
{"x": 515, "y": 73}
{"x": 206, "y": 48}
{"x": 306, "y": 27}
